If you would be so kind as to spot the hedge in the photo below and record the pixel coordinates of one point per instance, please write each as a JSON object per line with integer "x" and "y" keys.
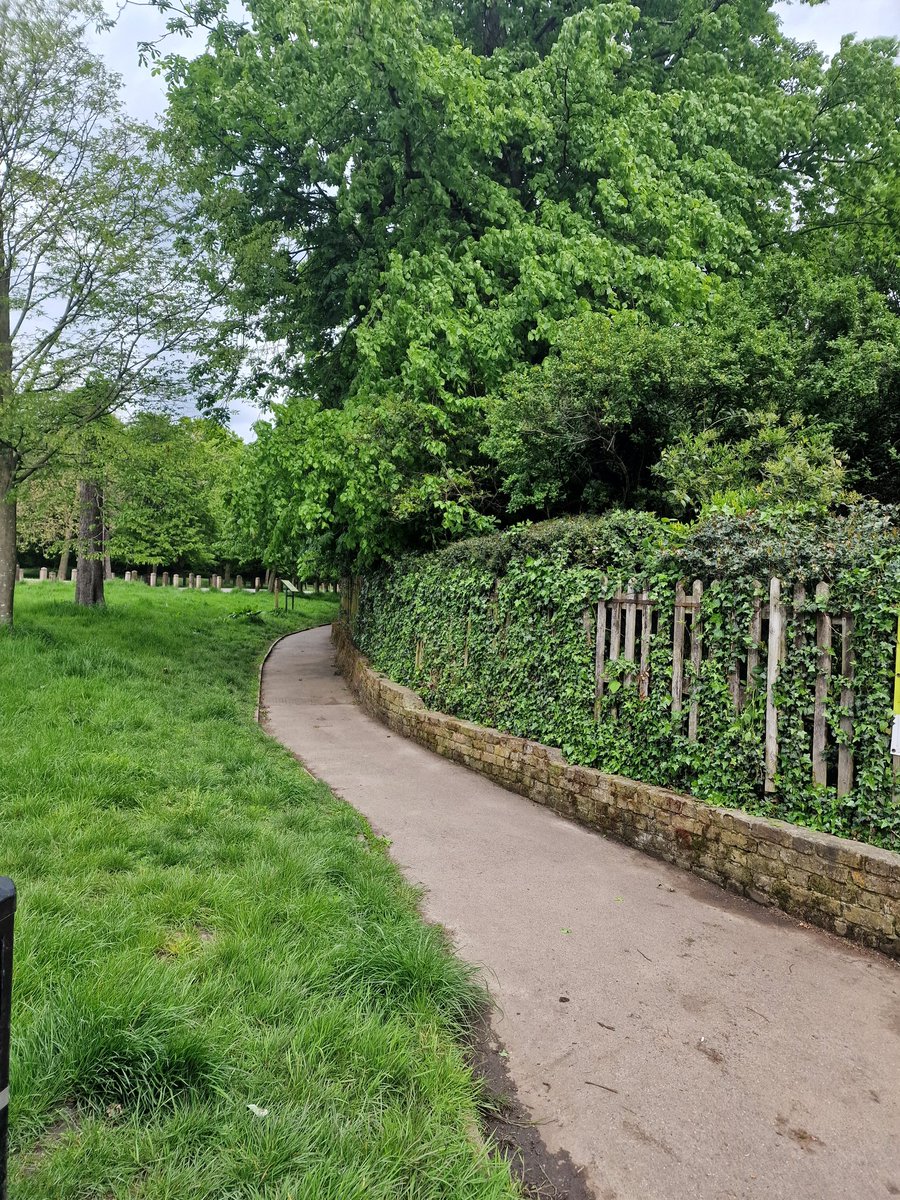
{"x": 493, "y": 630}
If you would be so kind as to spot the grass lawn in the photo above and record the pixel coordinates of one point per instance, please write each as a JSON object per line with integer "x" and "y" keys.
{"x": 202, "y": 927}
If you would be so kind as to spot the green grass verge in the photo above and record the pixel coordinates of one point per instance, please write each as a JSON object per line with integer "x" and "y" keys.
{"x": 203, "y": 927}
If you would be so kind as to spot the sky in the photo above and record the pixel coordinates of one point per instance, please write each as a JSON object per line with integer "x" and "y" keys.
{"x": 825, "y": 24}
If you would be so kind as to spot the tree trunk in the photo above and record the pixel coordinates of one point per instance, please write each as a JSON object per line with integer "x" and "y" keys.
{"x": 8, "y": 457}
{"x": 89, "y": 587}
{"x": 63, "y": 573}
{"x": 7, "y": 536}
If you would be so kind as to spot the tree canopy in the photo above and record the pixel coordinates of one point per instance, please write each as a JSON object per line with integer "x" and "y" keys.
{"x": 166, "y": 487}
{"x": 99, "y": 295}
{"x": 425, "y": 201}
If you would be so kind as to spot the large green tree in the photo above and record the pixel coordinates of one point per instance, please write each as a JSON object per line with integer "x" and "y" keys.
{"x": 587, "y": 427}
{"x": 166, "y": 486}
{"x": 99, "y": 300}
{"x": 417, "y": 196}
{"x": 165, "y": 490}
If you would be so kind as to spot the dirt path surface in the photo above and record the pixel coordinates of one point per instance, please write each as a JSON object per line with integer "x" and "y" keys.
{"x": 675, "y": 1041}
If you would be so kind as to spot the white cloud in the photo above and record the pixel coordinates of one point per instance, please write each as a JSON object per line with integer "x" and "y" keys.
{"x": 242, "y": 420}
{"x": 825, "y": 24}
{"x": 144, "y": 92}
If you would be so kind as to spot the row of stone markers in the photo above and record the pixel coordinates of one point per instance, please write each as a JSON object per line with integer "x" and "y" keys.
{"x": 215, "y": 583}
{"x": 44, "y": 575}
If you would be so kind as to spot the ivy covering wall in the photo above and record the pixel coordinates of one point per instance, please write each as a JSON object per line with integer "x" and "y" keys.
{"x": 499, "y": 630}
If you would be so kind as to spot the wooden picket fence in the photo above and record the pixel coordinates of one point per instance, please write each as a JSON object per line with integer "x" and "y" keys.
{"x": 626, "y": 623}
{"x": 624, "y": 627}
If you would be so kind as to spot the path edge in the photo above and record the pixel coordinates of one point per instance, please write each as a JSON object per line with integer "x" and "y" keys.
{"x": 505, "y": 1129}
{"x": 265, "y": 658}
{"x": 848, "y": 888}
{"x": 268, "y": 654}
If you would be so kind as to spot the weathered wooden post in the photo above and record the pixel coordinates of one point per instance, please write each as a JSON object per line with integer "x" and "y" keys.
{"x": 190, "y": 581}
{"x": 165, "y": 579}
{"x": 43, "y": 574}
{"x": 7, "y": 919}
{"x": 696, "y": 657}
{"x": 845, "y": 749}
{"x": 238, "y": 583}
{"x": 176, "y": 581}
{"x": 256, "y": 584}
{"x": 823, "y": 683}
{"x": 775, "y": 657}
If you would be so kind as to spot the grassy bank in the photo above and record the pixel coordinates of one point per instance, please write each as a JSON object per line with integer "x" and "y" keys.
{"x": 202, "y": 927}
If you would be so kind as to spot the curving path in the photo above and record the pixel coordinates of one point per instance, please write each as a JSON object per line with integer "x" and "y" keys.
{"x": 676, "y": 1041}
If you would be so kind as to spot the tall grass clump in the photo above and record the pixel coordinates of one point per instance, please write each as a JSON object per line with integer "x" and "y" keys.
{"x": 203, "y": 927}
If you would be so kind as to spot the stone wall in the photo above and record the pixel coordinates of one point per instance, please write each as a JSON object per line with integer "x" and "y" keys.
{"x": 844, "y": 886}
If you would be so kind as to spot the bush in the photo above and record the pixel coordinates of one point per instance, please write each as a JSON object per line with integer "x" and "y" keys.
{"x": 504, "y": 628}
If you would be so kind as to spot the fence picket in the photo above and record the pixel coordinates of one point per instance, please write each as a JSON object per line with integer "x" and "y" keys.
{"x": 823, "y": 679}
{"x": 630, "y": 603}
{"x": 600, "y": 653}
{"x": 845, "y": 750}
{"x": 678, "y": 650}
{"x": 646, "y": 628}
{"x": 755, "y": 634}
{"x": 615, "y": 628}
{"x": 696, "y": 658}
{"x": 773, "y": 667}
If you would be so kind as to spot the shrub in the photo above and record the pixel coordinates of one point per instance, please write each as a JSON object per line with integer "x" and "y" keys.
{"x": 500, "y": 630}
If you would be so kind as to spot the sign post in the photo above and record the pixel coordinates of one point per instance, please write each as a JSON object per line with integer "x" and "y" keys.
{"x": 7, "y": 917}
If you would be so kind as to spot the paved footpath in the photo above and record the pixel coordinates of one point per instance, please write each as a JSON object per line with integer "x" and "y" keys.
{"x": 741, "y": 1056}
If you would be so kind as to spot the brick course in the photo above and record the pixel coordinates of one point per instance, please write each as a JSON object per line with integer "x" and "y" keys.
{"x": 846, "y": 887}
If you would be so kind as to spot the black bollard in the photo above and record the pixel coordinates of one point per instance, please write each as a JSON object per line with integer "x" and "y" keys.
{"x": 7, "y": 917}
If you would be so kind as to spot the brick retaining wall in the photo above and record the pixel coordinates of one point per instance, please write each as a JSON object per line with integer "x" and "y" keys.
{"x": 847, "y": 887}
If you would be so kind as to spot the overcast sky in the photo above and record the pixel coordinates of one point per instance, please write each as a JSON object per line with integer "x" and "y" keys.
{"x": 824, "y": 24}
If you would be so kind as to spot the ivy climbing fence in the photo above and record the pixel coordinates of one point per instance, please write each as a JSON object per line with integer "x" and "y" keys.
{"x": 626, "y": 624}
{"x": 748, "y": 665}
